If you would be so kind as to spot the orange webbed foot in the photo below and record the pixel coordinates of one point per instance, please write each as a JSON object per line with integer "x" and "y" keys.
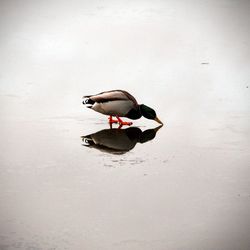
{"x": 121, "y": 122}
{"x": 111, "y": 121}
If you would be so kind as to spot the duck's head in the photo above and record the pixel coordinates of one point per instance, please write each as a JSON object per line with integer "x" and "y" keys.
{"x": 149, "y": 113}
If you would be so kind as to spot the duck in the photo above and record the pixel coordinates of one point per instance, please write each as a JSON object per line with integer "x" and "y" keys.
{"x": 119, "y": 103}
{"x": 118, "y": 141}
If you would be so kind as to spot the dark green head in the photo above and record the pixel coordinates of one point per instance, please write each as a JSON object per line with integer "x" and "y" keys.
{"x": 149, "y": 113}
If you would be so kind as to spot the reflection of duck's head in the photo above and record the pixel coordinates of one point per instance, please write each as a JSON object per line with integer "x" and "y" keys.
{"x": 118, "y": 141}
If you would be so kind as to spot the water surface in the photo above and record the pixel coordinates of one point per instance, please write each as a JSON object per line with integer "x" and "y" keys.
{"x": 184, "y": 186}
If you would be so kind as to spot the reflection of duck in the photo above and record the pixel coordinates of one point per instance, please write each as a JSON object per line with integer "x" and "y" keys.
{"x": 118, "y": 141}
{"x": 119, "y": 103}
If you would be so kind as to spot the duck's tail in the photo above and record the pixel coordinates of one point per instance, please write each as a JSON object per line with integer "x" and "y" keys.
{"x": 87, "y": 102}
{"x": 87, "y": 140}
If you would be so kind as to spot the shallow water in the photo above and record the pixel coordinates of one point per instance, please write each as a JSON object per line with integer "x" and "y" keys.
{"x": 185, "y": 185}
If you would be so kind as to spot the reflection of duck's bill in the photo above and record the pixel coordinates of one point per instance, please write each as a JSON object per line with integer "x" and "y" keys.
{"x": 157, "y": 128}
{"x": 158, "y": 120}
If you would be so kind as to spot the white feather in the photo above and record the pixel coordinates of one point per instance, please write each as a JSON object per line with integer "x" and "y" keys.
{"x": 119, "y": 107}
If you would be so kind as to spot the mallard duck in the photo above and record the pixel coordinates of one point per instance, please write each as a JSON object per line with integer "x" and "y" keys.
{"x": 118, "y": 141}
{"x": 119, "y": 103}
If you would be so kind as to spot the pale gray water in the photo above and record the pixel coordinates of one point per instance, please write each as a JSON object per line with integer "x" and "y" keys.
{"x": 186, "y": 188}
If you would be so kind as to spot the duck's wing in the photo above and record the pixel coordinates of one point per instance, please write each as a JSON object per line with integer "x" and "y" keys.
{"x": 112, "y": 95}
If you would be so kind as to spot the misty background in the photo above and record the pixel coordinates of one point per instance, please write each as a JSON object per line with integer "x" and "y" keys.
{"x": 186, "y": 189}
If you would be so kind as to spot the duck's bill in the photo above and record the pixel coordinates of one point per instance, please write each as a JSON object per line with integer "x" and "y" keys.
{"x": 158, "y": 120}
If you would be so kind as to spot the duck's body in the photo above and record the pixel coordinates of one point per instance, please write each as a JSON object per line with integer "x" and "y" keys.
{"x": 119, "y": 103}
{"x": 114, "y": 103}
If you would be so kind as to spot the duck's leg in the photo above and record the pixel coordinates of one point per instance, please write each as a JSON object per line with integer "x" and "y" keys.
{"x": 121, "y": 122}
{"x": 111, "y": 121}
